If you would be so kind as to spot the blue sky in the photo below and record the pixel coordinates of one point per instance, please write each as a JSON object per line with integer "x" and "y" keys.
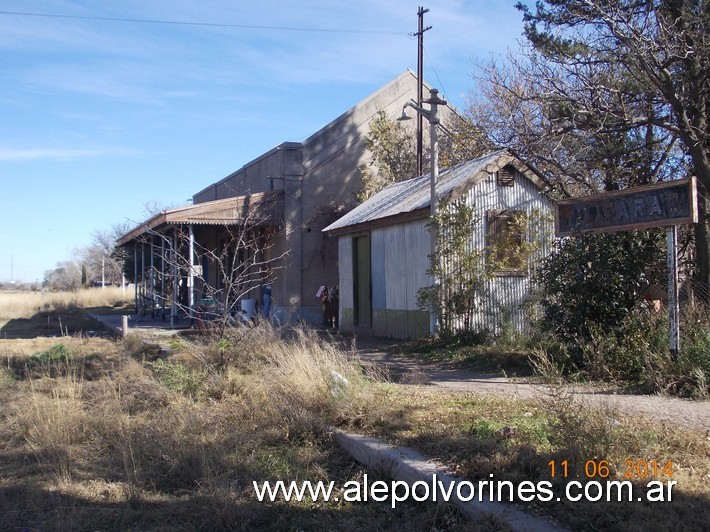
{"x": 101, "y": 117}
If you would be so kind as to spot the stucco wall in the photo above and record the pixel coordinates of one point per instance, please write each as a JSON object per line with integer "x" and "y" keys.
{"x": 332, "y": 159}
{"x": 318, "y": 175}
{"x": 265, "y": 173}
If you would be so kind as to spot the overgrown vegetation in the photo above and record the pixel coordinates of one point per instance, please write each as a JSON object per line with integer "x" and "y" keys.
{"x": 393, "y": 156}
{"x": 465, "y": 270}
{"x": 101, "y": 434}
{"x": 459, "y": 269}
{"x": 636, "y": 354}
{"x": 25, "y": 314}
{"x": 484, "y": 437}
{"x": 598, "y": 316}
{"x": 98, "y": 434}
{"x": 601, "y": 320}
{"x": 591, "y": 282}
{"x": 393, "y": 150}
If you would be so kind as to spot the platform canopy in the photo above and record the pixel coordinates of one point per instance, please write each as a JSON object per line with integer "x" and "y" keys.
{"x": 265, "y": 208}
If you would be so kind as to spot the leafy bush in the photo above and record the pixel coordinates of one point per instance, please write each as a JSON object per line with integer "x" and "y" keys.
{"x": 592, "y": 282}
{"x": 593, "y": 309}
{"x": 636, "y": 354}
{"x": 56, "y": 353}
{"x": 178, "y": 377}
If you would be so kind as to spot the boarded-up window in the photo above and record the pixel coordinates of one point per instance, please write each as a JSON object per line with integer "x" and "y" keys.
{"x": 506, "y": 176}
{"x": 505, "y": 238}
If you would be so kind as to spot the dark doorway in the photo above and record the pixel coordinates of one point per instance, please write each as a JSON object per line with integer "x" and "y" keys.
{"x": 361, "y": 277}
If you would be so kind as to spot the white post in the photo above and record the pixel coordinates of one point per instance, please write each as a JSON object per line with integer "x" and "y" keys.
{"x": 191, "y": 275}
{"x": 434, "y": 210}
{"x": 673, "y": 308}
{"x": 135, "y": 275}
{"x": 174, "y": 303}
{"x": 162, "y": 276}
{"x": 152, "y": 270}
{"x": 433, "y": 117}
{"x": 142, "y": 290}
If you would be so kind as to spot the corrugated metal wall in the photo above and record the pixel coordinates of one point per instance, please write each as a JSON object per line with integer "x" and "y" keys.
{"x": 345, "y": 269}
{"x": 399, "y": 263}
{"x": 400, "y": 259}
{"x": 506, "y": 295}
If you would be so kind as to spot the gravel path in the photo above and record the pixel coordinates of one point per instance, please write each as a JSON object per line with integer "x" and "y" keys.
{"x": 673, "y": 411}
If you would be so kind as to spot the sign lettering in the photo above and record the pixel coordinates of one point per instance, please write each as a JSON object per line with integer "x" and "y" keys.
{"x": 657, "y": 205}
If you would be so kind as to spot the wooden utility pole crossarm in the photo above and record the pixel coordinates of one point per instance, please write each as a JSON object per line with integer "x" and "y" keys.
{"x": 420, "y": 87}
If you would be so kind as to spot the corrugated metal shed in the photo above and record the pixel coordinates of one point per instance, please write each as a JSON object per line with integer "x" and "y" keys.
{"x": 412, "y": 198}
{"x": 396, "y": 220}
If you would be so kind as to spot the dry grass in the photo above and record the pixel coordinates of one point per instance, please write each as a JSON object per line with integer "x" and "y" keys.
{"x": 109, "y": 435}
{"x": 98, "y": 434}
{"x": 25, "y": 304}
{"x": 25, "y": 314}
{"x": 512, "y": 439}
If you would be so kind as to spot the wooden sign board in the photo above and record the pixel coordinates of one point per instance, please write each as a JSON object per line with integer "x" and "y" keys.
{"x": 657, "y": 205}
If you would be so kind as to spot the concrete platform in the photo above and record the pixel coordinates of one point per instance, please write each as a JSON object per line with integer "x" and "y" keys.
{"x": 147, "y": 326}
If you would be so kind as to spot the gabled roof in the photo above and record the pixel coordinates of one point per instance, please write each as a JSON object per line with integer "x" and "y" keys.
{"x": 408, "y": 76}
{"x": 266, "y": 207}
{"x": 412, "y": 198}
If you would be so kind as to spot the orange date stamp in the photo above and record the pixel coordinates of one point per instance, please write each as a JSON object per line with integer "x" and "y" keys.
{"x": 630, "y": 469}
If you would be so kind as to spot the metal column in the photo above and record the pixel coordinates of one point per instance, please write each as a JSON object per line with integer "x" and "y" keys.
{"x": 673, "y": 307}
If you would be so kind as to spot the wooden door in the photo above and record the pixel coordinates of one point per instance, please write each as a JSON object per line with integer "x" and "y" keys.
{"x": 362, "y": 279}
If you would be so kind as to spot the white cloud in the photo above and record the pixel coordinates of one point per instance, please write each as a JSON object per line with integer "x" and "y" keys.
{"x": 60, "y": 154}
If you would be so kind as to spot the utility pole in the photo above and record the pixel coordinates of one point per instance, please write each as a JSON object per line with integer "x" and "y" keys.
{"x": 420, "y": 86}
{"x": 432, "y": 115}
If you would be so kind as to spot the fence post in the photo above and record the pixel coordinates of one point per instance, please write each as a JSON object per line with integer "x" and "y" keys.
{"x": 673, "y": 309}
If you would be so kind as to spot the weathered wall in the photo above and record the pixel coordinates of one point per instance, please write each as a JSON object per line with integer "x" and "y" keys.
{"x": 507, "y": 294}
{"x": 267, "y": 172}
{"x": 318, "y": 175}
{"x": 345, "y": 282}
{"x": 400, "y": 252}
{"x": 399, "y": 260}
{"x": 332, "y": 159}
{"x": 399, "y": 263}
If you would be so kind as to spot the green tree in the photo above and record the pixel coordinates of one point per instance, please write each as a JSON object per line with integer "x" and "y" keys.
{"x": 393, "y": 155}
{"x": 393, "y": 150}
{"x": 626, "y": 83}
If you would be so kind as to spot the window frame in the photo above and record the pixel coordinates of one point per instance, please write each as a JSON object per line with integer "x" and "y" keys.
{"x": 494, "y": 219}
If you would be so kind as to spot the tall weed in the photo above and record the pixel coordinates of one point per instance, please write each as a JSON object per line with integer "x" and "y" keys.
{"x": 636, "y": 354}
{"x": 52, "y": 421}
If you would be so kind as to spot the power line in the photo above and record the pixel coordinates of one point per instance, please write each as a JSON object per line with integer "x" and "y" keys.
{"x": 207, "y": 24}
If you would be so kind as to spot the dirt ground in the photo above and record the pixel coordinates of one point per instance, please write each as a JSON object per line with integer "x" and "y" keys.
{"x": 672, "y": 411}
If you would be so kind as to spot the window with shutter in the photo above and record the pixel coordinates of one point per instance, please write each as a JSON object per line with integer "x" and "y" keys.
{"x": 506, "y": 176}
{"x": 505, "y": 237}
